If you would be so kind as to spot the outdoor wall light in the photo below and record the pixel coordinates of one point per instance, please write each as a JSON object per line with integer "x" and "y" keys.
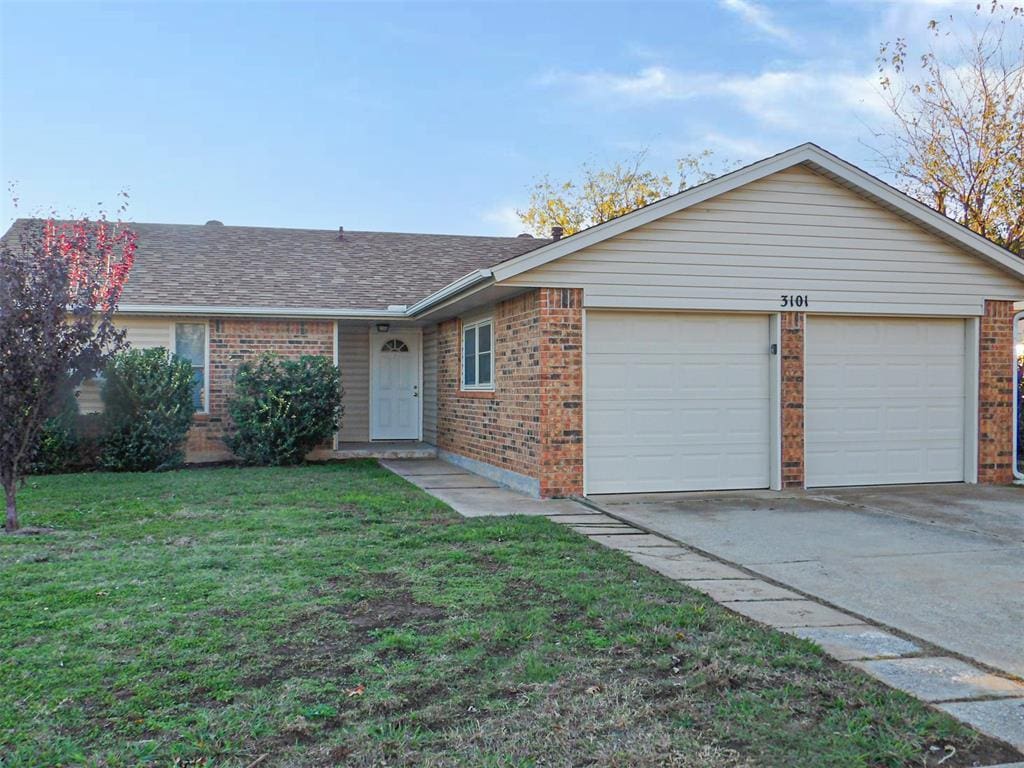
{"x": 383, "y": 327}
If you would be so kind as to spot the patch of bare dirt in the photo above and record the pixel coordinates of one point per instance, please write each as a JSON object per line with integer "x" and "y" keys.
{"x": 393, "y": 610}
{"x": 29, "y": 530}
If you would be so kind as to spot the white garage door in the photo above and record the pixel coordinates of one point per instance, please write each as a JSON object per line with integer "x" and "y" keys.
{"x": 676, "y": 402}
{"x": 884, "y": 400}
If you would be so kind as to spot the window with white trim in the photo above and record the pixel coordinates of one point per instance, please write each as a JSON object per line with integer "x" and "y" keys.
{"x": 478, "y": 355}
{"x": 190, "y": 343}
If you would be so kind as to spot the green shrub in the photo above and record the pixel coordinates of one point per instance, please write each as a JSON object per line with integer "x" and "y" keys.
{"x": 148, "y": 408}
{"x": 58, "y": 441}
{"x": 282, "y": 409}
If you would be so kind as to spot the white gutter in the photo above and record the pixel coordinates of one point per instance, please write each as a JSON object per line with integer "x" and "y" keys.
{"x": 192, "y": 309}
{"x": 449, "y": 290}
{"x": 1018, "y": 343}
{"x": 452, "y": 289}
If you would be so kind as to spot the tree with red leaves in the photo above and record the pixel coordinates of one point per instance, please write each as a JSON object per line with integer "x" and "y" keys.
{"x": 60, "y": 282}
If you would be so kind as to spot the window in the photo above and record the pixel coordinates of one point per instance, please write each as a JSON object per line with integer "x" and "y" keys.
{"x": 394, "y": 345}
{"x": 190, "y": 343}
{"x": 477, "y": 355}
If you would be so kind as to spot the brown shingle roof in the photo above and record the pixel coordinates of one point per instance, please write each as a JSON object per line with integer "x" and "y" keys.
{"x": 216, "y": 265}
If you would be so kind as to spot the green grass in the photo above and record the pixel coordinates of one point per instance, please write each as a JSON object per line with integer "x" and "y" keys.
{"x": 329, "y": 615}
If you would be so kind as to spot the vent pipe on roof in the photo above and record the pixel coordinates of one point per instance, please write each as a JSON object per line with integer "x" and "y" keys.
{"x": 341, "y": 233}
{"x": 556, "y": 233}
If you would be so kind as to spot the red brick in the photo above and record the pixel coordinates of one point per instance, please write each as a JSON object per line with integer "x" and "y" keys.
{"x": 793, "y": 324}
{"x": 561, "y": 399}
{"x": 232, "y": 342}
{"x": 996, "y": 366}
{"x": 500, "y": 428}
{"x": 532, "y": 423}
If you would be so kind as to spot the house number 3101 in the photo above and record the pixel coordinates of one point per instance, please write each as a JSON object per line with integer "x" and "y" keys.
{"x": 789, "y": 300}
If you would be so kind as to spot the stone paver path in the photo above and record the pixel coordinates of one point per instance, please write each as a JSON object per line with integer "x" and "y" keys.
{"x": 991, "y": 703}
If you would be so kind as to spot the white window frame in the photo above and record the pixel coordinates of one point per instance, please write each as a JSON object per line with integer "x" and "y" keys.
{"x": 475, "y": 326}
{"x": 206, "y": 357}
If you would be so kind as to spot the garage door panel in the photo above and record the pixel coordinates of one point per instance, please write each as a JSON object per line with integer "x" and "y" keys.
{"x": 676, "y": 402}
{"x": 884, "y": 400}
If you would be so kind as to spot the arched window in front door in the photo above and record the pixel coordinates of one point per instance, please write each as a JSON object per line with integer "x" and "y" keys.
{"x": 394, "y": 345}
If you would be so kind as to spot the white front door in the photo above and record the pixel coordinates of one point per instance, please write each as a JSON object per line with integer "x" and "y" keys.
{"x": 395, "y": 385}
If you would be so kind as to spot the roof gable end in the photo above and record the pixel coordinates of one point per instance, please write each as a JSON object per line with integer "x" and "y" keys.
{"x": 808, "y": 155}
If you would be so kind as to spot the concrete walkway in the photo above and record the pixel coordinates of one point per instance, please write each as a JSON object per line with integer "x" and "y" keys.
{"x": 991, "y": 703}
{"x": 472, "y": 495}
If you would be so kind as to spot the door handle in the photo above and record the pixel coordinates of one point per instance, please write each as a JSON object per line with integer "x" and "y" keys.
{"x": 415, "y": 390}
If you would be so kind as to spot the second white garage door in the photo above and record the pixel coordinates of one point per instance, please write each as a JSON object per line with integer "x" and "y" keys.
{"x": 884, "y": 400}
{"x": 676, "y": 402}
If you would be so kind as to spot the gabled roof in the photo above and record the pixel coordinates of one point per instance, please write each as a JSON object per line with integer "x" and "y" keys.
{"x": 301, "y": 272}
{"x": 809, "y": 155}
{"x": 216, "y": 269}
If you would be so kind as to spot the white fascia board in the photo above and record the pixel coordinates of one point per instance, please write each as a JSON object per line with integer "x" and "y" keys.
{"x": 211, "y": 310}
{"x": 450, "y": 290}
{"x": 805, "y": 153}
{"x": 462, "y": 295}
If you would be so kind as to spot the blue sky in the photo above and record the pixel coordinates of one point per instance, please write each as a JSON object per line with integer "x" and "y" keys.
{"x": 415, "y": 117}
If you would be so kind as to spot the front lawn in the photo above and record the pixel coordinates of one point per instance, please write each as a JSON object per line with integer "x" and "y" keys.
{"x": 335, "y": 615}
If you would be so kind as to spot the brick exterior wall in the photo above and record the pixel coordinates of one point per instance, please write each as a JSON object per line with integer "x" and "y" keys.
{"x": 561, "y": 412}
{"x": 995, "y": 394}
{"x": 532, "y": 423}
{"x": 792, "y": 396}
{"x": 501, "y": 428}
{"x": 232, "y": 341}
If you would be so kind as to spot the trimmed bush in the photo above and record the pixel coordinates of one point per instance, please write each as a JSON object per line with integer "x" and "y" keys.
{"x": 282, "y": 409}
{"x": 58, "y": 440}
{"x": 148, "y": 409}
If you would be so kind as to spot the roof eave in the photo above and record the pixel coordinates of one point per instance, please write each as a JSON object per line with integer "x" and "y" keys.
{"x": 213, "y": 310}
{"x": 474, "y": 279}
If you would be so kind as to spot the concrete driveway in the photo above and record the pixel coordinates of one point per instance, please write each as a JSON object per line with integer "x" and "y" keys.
{"x": 944, "y": 563}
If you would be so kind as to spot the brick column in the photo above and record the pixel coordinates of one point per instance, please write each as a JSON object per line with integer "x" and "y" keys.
{"x": 561, "y": 395}
{"x": 792, "y": 386}
{"x": 995, "y": 394}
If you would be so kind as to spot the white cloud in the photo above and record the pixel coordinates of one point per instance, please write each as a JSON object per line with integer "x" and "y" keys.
{"x": 503, "y": 220}
{"x": 651, "y": 84}
{"x": 807, "y": 98}
{"x": 758, "y": 17}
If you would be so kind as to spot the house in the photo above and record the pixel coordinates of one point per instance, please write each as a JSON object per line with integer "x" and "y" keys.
{"x": 794, "y": 323}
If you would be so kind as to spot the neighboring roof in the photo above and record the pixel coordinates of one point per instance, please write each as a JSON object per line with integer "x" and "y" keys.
{"x": 186, "y": 265}
{"x": 810, "y": 155}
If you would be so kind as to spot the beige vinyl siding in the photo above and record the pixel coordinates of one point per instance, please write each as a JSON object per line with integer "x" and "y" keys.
{"x": 141, "y": 333}
{"x": 430, "y": 384}
{"x": 794, "y": 233}
{"x": 354, "y": 362}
